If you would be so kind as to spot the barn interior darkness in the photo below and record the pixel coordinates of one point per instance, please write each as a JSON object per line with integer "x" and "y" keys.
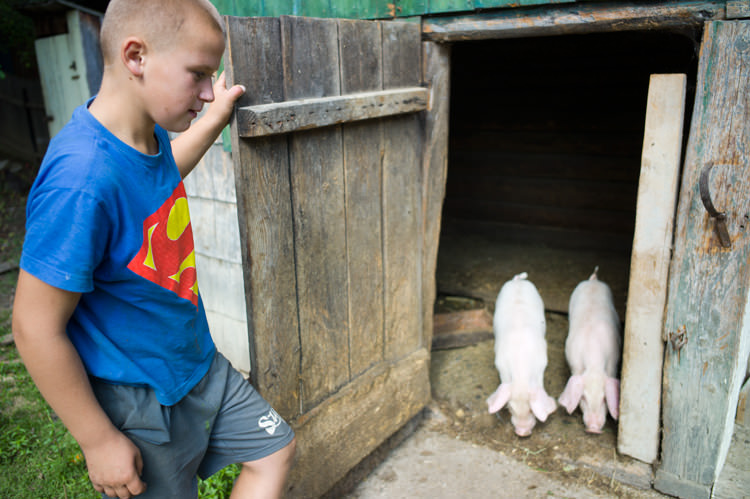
{"x": 545, "y": 146}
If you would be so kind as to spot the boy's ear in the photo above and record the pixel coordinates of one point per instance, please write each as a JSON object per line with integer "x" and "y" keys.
{"x": 133, "y": 50}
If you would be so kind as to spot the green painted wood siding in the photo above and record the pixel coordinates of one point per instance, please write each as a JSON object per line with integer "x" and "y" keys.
{"x": 364, "y": 9}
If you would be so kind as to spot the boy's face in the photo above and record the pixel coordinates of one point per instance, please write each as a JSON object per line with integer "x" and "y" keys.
{"x": 177, "y": 81}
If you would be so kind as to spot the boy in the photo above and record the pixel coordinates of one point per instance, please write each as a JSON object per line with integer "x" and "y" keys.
{"x": 107, "y": 315}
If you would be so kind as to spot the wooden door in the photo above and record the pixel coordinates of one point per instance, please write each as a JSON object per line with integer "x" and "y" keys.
{"x": 707, "y": 325}
{"x": 339, "y": 172}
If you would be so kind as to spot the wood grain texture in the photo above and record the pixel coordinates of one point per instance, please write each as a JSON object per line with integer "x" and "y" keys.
{"x": 306, "y": 114}
{"x": 337, "y": 434}
{"x": 265, "y": 220}
{"x": 436, "y": 75}
{"x": 572, "y": 19}
{"x": 361, "y": 70}
{"x": 402, "y": 207}
{"x": 708, "y": 293}
{"x": 311, "y": 69}
{"x": 643, "y": 347}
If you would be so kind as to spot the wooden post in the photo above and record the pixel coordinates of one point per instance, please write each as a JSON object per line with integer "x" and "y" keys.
{"x": 436, "y": 75}
{"x": 643, "y": 350}
{"x": 708, "y": 313}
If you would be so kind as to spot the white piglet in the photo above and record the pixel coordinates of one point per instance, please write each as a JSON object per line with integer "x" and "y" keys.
{"x": 592, "y": 350}
{"x": 521, "y": 355}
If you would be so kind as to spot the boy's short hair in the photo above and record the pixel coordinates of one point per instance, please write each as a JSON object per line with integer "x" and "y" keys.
{"x": 159, "y": 23}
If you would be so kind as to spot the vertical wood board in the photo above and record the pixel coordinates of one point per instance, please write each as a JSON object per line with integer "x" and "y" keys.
{"x": 265, "y": 219}
{"x": 311, "y": 69}
{"x": 643, "y": 349}
{"x": 436, "y": 75}
{"x": 361, "y": 70}
{"x": 402, "y": 236}
{"x": 708, "y": 294}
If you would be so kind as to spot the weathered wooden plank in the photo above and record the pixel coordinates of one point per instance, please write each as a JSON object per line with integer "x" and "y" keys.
{"x": 435, "y": 169}
{"x": 361, "y": 69}
{"x": 707, "y": 304}
{"x": 405, "y": 8}
{"x": 443, "y": 6}
{"x": 265, "y": 220}
{"x": 459, "y": 329}
{"x": 572, "y": 19}
{"x": 643, "y": 348}
{"x": 306, "y": 114}
{"x": 361, "y": 9}
{"x": 738, "y": 9}
{"x": 311, "y": 68}
{"x": 384, "y": 399}
{"x": 402, "y": 228}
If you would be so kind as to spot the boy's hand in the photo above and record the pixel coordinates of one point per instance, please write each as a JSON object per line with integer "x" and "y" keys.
{"x": 115, "y": 466}
{"x": 190, "y": 146}
{"x": 224, "y": 99}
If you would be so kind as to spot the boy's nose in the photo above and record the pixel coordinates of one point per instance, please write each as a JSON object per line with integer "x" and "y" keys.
{"x": 207, "y": 91}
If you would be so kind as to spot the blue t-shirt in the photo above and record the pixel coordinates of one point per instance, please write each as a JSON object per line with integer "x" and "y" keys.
{"x": 112, "y": 223}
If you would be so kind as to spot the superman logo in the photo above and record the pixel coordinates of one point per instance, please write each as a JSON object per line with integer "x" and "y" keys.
{"x": 167, "y": 255}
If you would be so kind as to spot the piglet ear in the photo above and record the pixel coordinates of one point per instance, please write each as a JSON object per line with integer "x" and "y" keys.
{"x": 497, "y": 400}
{"x": 542, "y": 405}
{"x": 571, "y": 396}
{"x": 612, "y": 395}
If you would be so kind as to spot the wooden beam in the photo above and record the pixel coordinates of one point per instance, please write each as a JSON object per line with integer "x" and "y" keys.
{"x": 305, "y": 114}
{"x": 436, "y": 75}
{"x": 572, "y": 19}
{"x": 738, "y": 9}
{"x": 460, "y": 329}
{"x": 643, "y": 352}
{"x": 708, "y": 305}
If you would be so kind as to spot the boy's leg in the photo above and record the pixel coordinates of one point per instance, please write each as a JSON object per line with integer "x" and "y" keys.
{"x": 266, "y": 477}
{"x": 248, "y": 431}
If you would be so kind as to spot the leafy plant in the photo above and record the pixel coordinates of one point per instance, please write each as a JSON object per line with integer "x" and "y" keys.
{"x": 219, "y": 486}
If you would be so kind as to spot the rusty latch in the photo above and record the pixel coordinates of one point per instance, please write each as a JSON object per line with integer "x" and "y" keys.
{"x": 719, "y": 218}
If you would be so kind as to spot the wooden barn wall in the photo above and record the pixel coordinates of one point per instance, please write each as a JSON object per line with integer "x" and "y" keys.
{"x": 366, "y": 9}
{"x": 546, "y": 133}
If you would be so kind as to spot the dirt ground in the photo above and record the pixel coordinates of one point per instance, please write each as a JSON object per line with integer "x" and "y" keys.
{"x": 476, "y": 266}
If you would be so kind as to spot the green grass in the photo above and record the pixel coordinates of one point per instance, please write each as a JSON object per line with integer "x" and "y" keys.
{"x": 38, "y": 456}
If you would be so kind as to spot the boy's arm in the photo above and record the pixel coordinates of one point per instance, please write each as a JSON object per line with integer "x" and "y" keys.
{"x": 190, "y": 146}
{"x": 40, "y": 315}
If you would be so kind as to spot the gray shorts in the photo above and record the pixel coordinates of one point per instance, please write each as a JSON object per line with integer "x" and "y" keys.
{"x": 222, "y": 421}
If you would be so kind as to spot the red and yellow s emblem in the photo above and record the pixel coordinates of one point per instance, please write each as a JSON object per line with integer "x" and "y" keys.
{"x": 167, "y": 256}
